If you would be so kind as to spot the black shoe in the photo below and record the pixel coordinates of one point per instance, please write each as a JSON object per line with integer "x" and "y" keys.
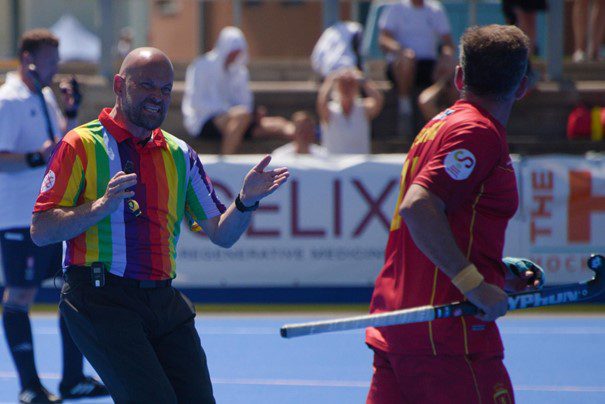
{"x": 37, "y": 394}
{"x": 87, "y": 387}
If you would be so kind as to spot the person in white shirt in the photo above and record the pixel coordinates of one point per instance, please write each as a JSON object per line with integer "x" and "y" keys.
{"x": 411, "y": 32}
{"x": 218, "y": 102}
{"x": 31, "y": 123}
{"x": 345, "y": 120}
{"x": 304, "y": 140}
{"x": 337, "y": 48}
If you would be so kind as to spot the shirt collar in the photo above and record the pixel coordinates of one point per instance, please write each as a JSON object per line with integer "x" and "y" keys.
{"x": 14, "y": 81}
{"x": 120, "y": 133}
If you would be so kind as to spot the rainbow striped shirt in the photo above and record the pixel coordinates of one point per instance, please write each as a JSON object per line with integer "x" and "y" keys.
{"x": 171, "y": 184}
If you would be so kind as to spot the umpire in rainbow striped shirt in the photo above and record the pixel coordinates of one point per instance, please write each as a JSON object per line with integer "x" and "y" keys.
{"x": 117, "y": 189}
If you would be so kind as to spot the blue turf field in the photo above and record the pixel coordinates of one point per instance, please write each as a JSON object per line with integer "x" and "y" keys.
{"x": 551, "y": 359}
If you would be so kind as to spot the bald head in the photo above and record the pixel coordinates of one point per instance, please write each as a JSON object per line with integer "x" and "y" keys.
{"x": 143, "y": 88}
{"x": 142, "y": 58}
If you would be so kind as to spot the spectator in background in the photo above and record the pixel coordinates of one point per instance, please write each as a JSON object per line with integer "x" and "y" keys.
{"x": 31, "y": 122}
{"x": 410, "y": 34}
{"x": 522, "y": 13}
{"x": 582, "y": 28}
{"x": 218, "y": 102}
{"x": 437, "y": 97}
{"x": 337, "y": 47}
{"x": 125, "y": 43}
{"x": 304, "y": 139}
{"x": 345, "y": 119}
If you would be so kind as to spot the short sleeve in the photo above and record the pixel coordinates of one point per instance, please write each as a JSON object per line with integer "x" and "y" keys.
{"x": 462, "y": 163}
{"x": 201, "y": 202}
{"x": 441, "y": 22}
{"x": 64, "y": 179}
{"x": 388, "y": 19}
{"x": 9, "y": 130}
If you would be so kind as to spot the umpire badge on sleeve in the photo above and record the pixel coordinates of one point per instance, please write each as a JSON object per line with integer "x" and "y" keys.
{"x": 48, "y": 182}
{"x": 459, "y": 164}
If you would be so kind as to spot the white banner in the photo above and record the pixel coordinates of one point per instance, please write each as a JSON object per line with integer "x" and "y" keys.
{"x": 328, "y": 226}
{"x": 562, "y": 216}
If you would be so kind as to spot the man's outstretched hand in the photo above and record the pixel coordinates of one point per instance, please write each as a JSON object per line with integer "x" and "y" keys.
{"x": 259, "y": 183}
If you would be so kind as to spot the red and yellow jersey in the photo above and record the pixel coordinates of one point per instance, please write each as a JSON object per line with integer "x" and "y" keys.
{"x": 461, "y": 156}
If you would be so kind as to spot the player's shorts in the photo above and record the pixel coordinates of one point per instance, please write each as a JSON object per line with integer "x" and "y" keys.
{"x": 211, "y": 131}
{"x": 424, "y": 73}
{"x": 457, "y": 379}
{"x": 24, "y": 263}
{"x": 508, "y": 7}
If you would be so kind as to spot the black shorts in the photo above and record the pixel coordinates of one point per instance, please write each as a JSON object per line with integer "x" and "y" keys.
{"x": 211, "y": 131}
{"x": 528, "y": 6}
{"x": 424, "y": 73}
{"x": 24, "y": 263}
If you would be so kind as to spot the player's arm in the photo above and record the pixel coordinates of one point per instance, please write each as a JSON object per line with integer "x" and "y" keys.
{"x": 64, "y": 223}
{"x": 226, "y": 229}
{"x": 424, "y": 215}
{"x": 374, "y": 100}
{"x": 13, "y": 162}
{"x": 388, "y": 43}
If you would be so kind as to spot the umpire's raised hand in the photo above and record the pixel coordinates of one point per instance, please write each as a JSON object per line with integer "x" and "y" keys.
{"x": 259, "y": 183}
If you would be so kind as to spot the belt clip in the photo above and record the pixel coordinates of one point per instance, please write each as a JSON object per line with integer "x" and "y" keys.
{"x": 97, "y": 272}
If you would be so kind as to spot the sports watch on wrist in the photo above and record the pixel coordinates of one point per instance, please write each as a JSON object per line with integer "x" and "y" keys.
{"x": 35, "y": 159}
{"x": 243, "y": 208}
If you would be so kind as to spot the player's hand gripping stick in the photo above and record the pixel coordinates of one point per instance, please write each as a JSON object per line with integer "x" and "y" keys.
{"x": 555, "y": 295}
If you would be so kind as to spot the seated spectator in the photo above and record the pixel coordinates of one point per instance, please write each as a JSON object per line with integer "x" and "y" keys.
{"x": 582, "y": 28}
{"x": 337, "y": 48}
{"x": 410, "y": 32}
{"x": 218, "y": 102}
{"x": 304, "y": 139}
{"x": 436, "y": 98}
{"x": 345, "y": 120}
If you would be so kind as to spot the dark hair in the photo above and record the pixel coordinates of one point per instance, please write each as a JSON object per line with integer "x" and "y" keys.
{"x": 34, "y": 39}
{"x": 493, "y": 59}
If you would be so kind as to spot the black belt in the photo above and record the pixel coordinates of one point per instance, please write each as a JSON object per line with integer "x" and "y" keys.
{"x": 76, "y": 273}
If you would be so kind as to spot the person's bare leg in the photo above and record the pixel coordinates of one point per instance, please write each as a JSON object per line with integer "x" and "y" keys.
{"x": 274, "y": 126}
{"x": 580, "y": 19}
{"x": 598, "y": 29}
{"x": 527, "y": 23}
{"x": 232, "y": 126}
{"x": 404, "y": 70}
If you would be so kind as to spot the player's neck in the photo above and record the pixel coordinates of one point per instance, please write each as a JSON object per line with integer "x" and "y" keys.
{"x": 500, "y": 110}
{"x": 27, "y": 80}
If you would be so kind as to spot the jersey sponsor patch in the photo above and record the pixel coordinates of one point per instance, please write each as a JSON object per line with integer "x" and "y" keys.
{"x": 459, "y": 164}
{"x": 48, "y": 182}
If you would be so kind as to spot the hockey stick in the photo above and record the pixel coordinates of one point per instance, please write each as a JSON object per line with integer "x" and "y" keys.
{"x": 556, "y": 295}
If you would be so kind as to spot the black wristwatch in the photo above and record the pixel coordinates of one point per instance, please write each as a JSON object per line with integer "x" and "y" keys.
{"x": 35, "y": 159}
{"x": 243, "y": 208}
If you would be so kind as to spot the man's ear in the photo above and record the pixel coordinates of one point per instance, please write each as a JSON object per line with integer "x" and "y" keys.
{"x": 26, "y": 58}
{"x": 119, "y": 84}
{"x": 522, "y": 89}
{"x": 459, "y": 78}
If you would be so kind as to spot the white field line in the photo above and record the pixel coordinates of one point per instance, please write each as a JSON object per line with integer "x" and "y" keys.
{"x": 335, "y": 383}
